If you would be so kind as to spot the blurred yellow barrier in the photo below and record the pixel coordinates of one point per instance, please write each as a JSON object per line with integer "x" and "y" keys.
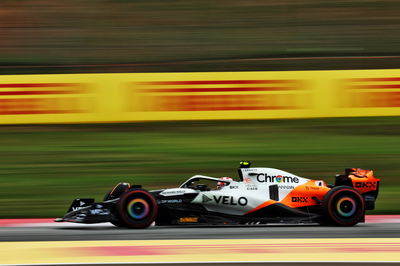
{"x": 76, "y": 98}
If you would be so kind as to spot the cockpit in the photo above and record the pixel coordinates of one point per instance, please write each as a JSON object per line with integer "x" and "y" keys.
{"x": 204, "y": 183}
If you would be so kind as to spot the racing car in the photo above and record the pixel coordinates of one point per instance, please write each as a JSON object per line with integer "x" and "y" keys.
{"x": 261, "y": 196}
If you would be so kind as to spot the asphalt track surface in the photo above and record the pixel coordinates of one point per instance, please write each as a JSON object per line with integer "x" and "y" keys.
{"x": 69, "y": 232}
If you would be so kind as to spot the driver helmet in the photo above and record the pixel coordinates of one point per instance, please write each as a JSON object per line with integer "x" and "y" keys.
{"x": 222, "y": 184}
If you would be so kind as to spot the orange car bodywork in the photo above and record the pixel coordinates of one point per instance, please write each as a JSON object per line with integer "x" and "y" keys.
{"x": 308, "y": 194}
{"x": 311, "y": 194}
{"x": 364, "y": 180}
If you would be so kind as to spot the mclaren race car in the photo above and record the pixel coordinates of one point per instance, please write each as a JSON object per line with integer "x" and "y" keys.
{"x": 263, "y": 195}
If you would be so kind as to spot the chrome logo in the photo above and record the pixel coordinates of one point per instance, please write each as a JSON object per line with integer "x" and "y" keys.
{"x": 138, "y": 208}
{"x": 346, "y": 207}
{"x": 279, "y": 178}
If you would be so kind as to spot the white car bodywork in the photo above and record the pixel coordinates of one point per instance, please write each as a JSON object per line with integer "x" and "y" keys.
{"x": 239, "y": 198}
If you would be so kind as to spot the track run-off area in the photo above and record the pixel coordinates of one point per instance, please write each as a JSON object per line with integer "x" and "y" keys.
{"x": 40, "y": 241}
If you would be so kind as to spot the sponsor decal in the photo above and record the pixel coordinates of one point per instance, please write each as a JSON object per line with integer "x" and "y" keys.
{"x": 380, "y": 92}
{"x": 366, "y": 184}
{"x": 170, "y": 201}
{"x": 251, "y": 187}
{"x": 206, "y": 199}
{"x": 188, "y": 220}
{"x": 285, "y": 187}
{"x": 233, "y": 187}
{"x": 311, "y": 188}
{"x": 44, "y": 98}
{"x": 100, "y": 212}
{"x": 228, "y": 200}
{"x": 278, "y": 178}
{"x": 247, "y": 180}
{"x": 300, "y": 199}
{"x": 81, "y": 204}
{"x": 226, "y": 95}
{"x": 172, "y": 192}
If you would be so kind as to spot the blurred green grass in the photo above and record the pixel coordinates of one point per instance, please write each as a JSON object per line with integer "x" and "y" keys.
{"x": 44, "y": 167}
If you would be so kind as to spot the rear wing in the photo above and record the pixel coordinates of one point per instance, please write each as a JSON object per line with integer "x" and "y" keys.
{"x": 363, "y": 181}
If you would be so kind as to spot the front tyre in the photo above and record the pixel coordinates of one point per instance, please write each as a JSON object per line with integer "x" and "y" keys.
{"x": 137, "y": 209}
{"x": 343, "y": 206}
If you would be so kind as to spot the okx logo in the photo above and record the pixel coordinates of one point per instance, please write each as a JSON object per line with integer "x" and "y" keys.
{"x": 366, "y": 184}
{"x": 300, "y": 199}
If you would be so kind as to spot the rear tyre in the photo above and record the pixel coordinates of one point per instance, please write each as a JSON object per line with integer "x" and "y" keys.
{"x": 343, "y": 206}
{"x": 137, "y": 209}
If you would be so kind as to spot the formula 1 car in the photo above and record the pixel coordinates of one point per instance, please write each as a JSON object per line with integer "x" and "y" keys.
{"x": 263, "y": 195}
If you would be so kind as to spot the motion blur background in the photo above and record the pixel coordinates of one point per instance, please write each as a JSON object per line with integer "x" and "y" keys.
{"x": 44, "y": 166}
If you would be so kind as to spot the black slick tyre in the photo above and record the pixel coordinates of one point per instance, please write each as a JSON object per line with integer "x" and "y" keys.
{"x": 343, "y": 206}
{"x": 137, "y": 209}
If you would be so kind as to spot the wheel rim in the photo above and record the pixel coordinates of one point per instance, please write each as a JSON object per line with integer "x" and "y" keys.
{"x": 138, "y": 208}
{"x": 346, "y": 206}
